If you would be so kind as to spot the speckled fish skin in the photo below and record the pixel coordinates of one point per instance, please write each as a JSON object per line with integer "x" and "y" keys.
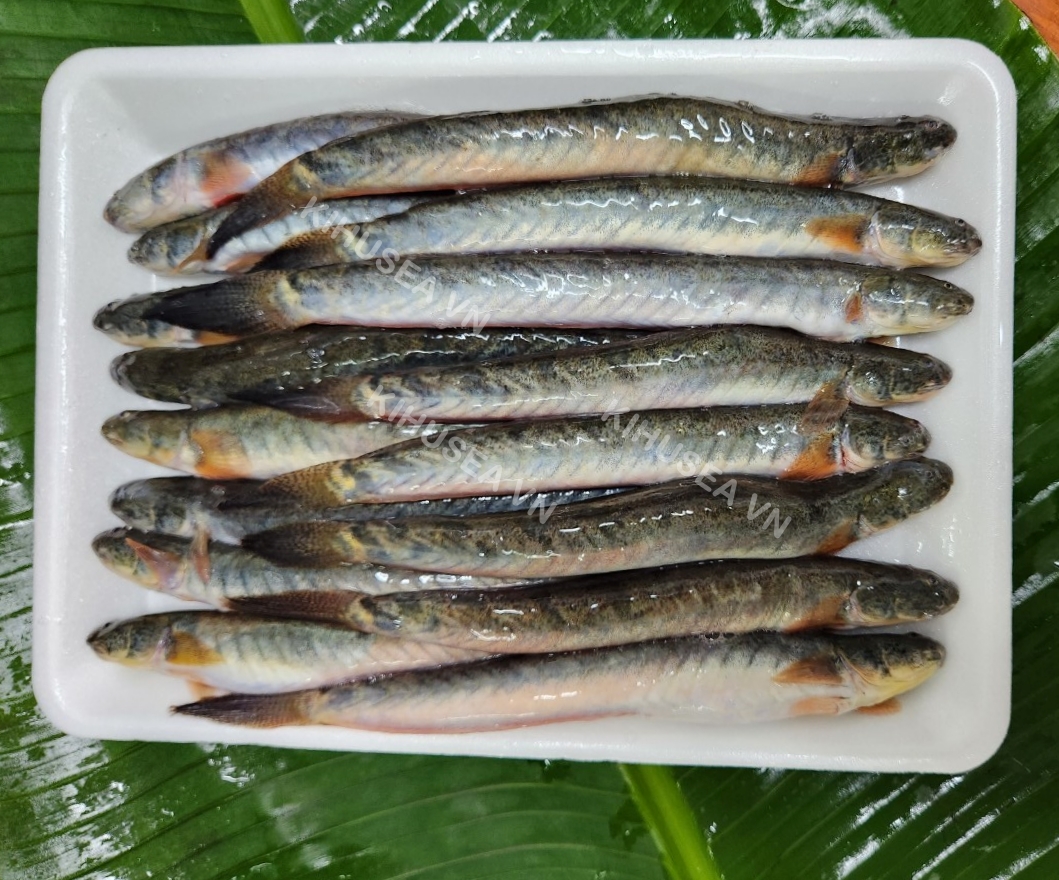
{"x": 709, "y": 597}
{"x": 655, "y": 135}
{"x": 715, "y": 517}
{"x": 667, "y": 214}
{"x": 628, "y": 449}
{"x": 170, "y": 565}
{"x": 713, "y": 366}
{"x": 177, "y": 248}
{"x": 291, "y": 363}
{"x": 236, "y": 652}
{"x": 229, "y": 510}
{"x": 837, "y": 301}
{"x": 214, "y": 172}
{"x": 246, "y": 442}
{"x": 727, "y": 679}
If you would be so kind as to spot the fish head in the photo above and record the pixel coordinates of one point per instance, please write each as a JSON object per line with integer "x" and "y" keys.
{"x": 143, "y": 200}
{"x": 155, "y": 505}
{"x": 141, "y": 641}
{"x": 871, "y": 437}
{"x": 881, "y": 375}
{"x": 903, "y": 235}
{"x": 888, "y": 665}
{"x": 159, "y": 436}
{"x": 157, "y": 562}
{"x": 912, "y": 303}
{"x": 899, "y": 595}
{"x": 899, "y": 490}
{"x": 902, "y": 149}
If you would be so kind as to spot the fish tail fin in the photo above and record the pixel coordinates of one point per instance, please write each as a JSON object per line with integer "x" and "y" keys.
{"x": 309, "y": 544}
{"x": 233, "y": 307}
{"x": 338, "y": 606}
{"x": 286, "y": 190}
{"x": 254, "y": 710}
{"x": 327, "y": 401}
{"x": 305, "y": 251}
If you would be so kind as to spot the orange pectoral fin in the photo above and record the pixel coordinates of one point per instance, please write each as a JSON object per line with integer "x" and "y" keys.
{"x": 817, "y": 706}
{"x": 821, "y": 669}
{"x": 168, "y": 567}
{"x": 221, "y": 455}
{"x": 824, "y": 171}
{"x": 201, "y": 691}
{"x": 187, "y": 650}
{"x": 844, "y": 234}
{"x": 841, "y": 537}
{"x": 854, "y": 310}
{"x": 200, "y": 553}
{"x": 224, "y": 179}
{"x": 827, "y": 613}
{"x": 817, "y": 460}
{"x": 822, "y": 413}
{"x": 886, "y": 707}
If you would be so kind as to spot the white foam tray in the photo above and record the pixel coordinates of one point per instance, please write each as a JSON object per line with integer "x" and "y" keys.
{"x": 110, "y": 113}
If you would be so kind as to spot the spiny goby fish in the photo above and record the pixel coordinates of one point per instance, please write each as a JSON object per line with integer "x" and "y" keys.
{"x": 229, "y": 510}
{"x": 710, "y": 517}
{"x": 830, "y": 300}
{"x": 726, "y": 679}
{"x": 221, "y": 573}
{"x": 626, "y": 449}
{"x": 292, "y": 362}
{"x": 236, "y": 652}
{"x": 634, "y": 606}
{"x": 654, "y": 135}
{"x": 667, "y": 214}
{"x": 214, "y": 172}
{"x": 240, "y": 442}
{"x": 177, "y": 248}
{"x": 713, "y": 366}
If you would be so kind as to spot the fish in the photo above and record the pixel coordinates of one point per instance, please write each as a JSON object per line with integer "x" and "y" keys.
{"x": 707, "y": 517}
{"x": 674, "y": 215}
{"x": 215, "y": 172}
{"x": 258, "y": 368}
{"x": 620, "y": 449}
{"x": 246, "y": 442}
{"x": 652, "y": 135}
{"x": 836, "y": 301}
{"x": 258, "y": 655}
{"x": 229, "y": 510}
{"x": 721, "y": 679}
{"x": 177, "y": 248}
{"x": 216, "y": 574}
{"x": 713, "y": 366}
{"x": 636, "y": 606}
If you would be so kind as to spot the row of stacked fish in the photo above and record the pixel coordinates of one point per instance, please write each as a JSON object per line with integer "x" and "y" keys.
{"x": 511, "y": 418}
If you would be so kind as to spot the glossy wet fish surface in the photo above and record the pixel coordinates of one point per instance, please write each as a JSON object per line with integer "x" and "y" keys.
{"x": 623, "y": 449}
{"x": 235, "y": 652}
{"x": 714, "y": 366}
{"x": 830, "y": 300}
{"x": 708, "y": 517}
{"x": 665, "y": 214}
{"x": 625, "y": 607}
{"x": 657, "y": 135}
{"x": 725, "y": 679}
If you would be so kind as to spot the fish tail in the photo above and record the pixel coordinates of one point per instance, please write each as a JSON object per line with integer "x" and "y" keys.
{"x": 286, "y": 190}
{"x": 309, "y": 544}
{"x": 305, "y": 251}
{"x": 234, "y": 307}
{"x": 339, "y": 606}
{"x": 254, "y": 710}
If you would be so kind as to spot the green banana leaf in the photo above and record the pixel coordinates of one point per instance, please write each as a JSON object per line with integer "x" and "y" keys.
{"x": 77, "y": 808}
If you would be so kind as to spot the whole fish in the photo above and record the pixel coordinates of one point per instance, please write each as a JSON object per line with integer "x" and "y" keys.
{"x": 725, "y": 679}
{"x": 214, "y": 172}
{"x": 710, "y": 517}
{"x": 712, "y": 366}
{"x": 668, "y": 214}
{"x": 636, "y": 606}
{"x": 630, "y": 449}
{"x": 236, "y": 652}
{"x": 291, "y": 362}
{"x": 178, "y": 248}
{"x": 217, "y": 574}
{"x": 240, "y": 442}
{"x": 655, "y": 135}
{"x": 836, "y": 301}
{"x": 229, "y": 510}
